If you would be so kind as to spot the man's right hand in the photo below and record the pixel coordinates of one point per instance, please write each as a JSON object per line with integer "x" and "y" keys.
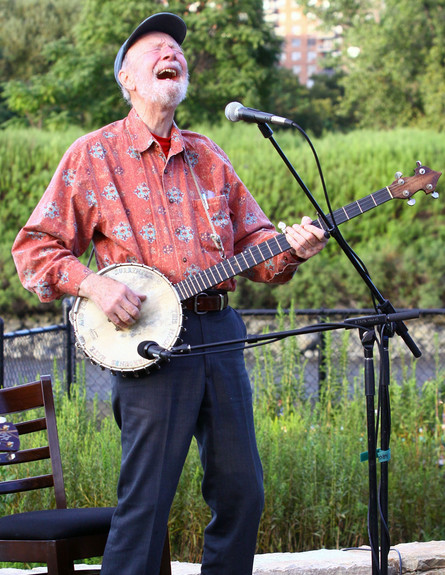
{"x": 120, "y": 304}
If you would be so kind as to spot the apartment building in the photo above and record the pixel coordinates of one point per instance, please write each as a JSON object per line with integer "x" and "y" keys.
{"x": 305, "y": 45}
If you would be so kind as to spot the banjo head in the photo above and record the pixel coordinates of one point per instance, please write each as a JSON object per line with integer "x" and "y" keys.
{"x": 160, "y": 321}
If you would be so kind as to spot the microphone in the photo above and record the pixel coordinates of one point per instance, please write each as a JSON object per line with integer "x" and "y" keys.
{"x": 236, "y": 112}
{"x": 151, "y": 350}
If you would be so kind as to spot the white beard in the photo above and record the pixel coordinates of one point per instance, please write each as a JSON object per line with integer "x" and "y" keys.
{"x": 169, "y": 93}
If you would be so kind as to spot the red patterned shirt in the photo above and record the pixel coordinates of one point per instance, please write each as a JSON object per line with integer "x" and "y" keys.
{"x": 116, "y": 188}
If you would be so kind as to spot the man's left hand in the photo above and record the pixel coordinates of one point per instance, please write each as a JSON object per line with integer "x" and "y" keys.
{"x": 306, "y": 239}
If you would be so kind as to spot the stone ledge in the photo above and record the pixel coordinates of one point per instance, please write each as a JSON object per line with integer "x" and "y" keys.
{"x": 425, "y": 558}
{"x": 417, "y": 558}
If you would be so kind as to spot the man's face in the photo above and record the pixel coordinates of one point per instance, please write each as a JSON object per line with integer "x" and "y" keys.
{"x": 158, "y": 68}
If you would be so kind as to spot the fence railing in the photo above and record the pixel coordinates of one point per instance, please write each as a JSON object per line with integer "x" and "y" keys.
{"x": 25, "y": 354}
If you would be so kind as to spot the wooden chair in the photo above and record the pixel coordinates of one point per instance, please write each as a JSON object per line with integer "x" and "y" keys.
{"x": 53, "y": 536}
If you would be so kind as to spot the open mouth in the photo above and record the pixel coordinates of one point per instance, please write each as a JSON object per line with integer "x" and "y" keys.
{"x": 167, "y": 74}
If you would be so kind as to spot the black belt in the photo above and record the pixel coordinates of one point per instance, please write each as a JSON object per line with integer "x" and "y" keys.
{"x": 211, "y": 300}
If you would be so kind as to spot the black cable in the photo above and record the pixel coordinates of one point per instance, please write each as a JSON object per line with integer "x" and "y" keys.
{"x": 339, "y": 237}
{"x": 391, "y": 549}
{"x": 227, "y": 345}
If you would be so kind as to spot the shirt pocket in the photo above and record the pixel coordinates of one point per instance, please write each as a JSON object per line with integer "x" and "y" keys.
{"x": 219, "y": 213}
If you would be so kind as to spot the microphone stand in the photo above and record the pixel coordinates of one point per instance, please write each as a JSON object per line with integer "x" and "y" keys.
{"x": 366, "y": 326}
{"x": 368, "y": 339}
{"x": 384, "y": 305}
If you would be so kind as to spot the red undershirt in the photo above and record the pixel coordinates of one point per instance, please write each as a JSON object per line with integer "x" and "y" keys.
{"x": 164, "y": 143}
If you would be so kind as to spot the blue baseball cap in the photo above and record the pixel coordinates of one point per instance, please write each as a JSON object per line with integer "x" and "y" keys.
{"x": 166, "y": 22}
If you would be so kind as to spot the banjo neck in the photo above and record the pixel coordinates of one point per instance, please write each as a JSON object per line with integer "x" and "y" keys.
{"x": 231, "y": 267}
{"x": 262, "y": 252}
{"x": 424, "y": 179}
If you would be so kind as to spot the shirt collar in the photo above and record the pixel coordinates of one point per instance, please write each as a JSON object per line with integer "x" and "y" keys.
{"x": 142, "y": 138}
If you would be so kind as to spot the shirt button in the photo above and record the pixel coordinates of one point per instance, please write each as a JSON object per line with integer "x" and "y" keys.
{"x": 184, "y": 259}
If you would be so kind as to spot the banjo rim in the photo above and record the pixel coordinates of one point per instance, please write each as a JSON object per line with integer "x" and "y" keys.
{"x": 82, "y": 306}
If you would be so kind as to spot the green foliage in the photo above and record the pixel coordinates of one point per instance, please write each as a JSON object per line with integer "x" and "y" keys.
{"x": 77, "y": 82}
{"x": 28, "y": 31}
{"x": 395, "y": 73}
{"x": 316, "y": 488}
{"x": 68, "y": 76}
{"x": 28, "y": 158}
{"x": 27, "y": 27}
{"x": 223, "y": 42}
{"x": 398, "y": 243}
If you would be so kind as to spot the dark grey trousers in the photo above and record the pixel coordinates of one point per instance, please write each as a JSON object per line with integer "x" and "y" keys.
{"x": 208, "y": 397}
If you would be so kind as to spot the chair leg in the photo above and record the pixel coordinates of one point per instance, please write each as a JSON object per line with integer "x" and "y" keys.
{"x": 166, "y": 568}
{"x": 58, "y": 561}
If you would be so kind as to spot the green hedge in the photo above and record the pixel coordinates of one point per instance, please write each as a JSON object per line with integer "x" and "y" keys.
{"x": 398, "y": 243}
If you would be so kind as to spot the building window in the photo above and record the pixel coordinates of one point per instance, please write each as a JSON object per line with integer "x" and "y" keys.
{"x": 311, "y": 70}
{"x": 311, "y": 56}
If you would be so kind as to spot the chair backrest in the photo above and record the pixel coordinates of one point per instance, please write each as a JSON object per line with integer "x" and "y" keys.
{"x": 22, "y": 398}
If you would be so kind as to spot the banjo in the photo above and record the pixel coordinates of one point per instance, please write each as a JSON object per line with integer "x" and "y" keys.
{"x": 161, "y": 313}
{"x": 9, "y": 441}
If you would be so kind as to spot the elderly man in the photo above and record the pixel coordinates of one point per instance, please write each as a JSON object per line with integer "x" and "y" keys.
{"x": 144, "y": 191}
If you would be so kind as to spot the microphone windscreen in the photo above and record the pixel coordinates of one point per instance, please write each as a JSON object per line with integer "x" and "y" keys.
{"x": 231, "y": 111}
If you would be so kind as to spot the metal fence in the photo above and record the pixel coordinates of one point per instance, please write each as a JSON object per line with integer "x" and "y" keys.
{"x": 25, "y": 354}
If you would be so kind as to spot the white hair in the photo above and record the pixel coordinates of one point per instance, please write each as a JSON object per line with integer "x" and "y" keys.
{"x": 125, "y": 92}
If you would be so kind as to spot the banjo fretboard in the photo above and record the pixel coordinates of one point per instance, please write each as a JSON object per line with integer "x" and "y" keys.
{"x": 262, "y": 252}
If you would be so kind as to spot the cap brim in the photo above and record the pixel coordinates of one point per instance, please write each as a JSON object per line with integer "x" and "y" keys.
{"x": 166, "y": 22}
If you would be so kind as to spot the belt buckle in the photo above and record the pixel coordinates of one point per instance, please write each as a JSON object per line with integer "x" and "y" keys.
{"x": 221, "y": 301}
{"x": 195, "y": 304}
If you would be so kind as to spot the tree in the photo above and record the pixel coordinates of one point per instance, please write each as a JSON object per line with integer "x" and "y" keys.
{"x": 432, "y": 85}
{"x": 392, "y": 57}
{"x": 27, "y": 30}
{"x": 231, "y": 52}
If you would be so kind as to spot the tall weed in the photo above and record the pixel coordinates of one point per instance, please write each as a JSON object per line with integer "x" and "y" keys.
{"x": 316, "y": 487}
